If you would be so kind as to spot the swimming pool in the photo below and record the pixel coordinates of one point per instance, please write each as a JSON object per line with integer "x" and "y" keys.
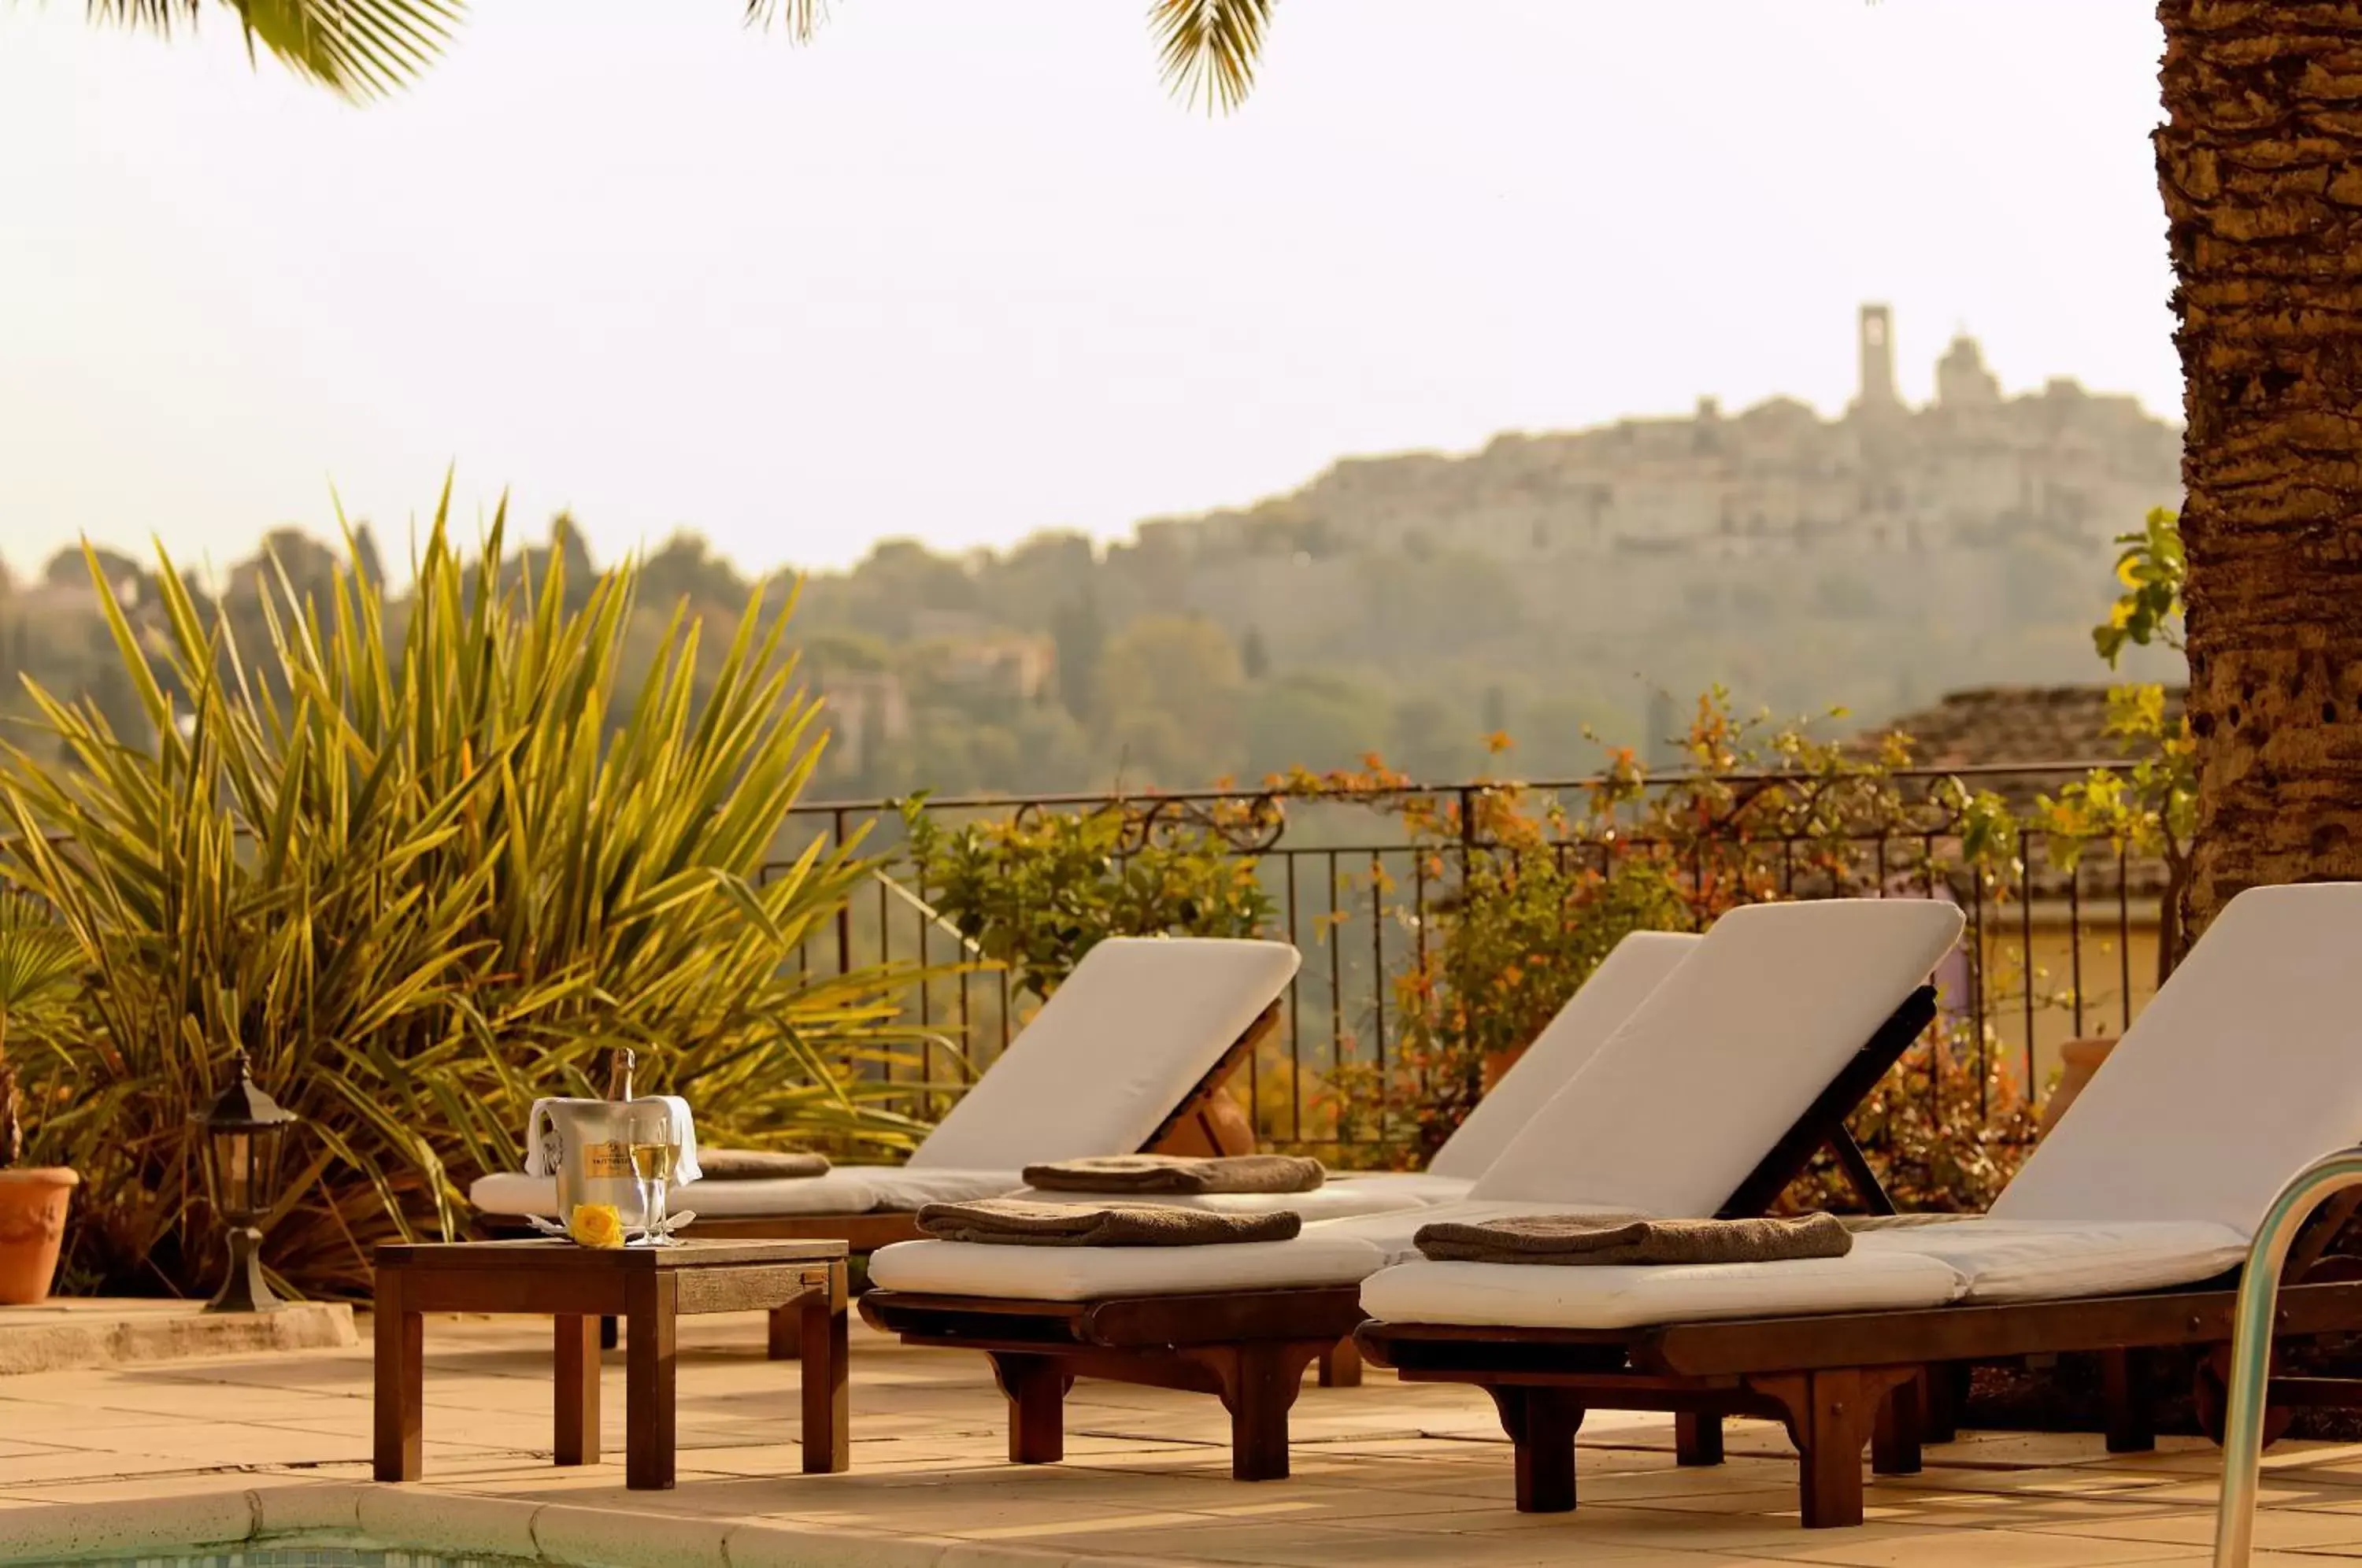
{"x": 284, "y": 1557}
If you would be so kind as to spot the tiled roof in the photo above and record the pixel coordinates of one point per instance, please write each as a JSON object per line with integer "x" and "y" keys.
{"x": 2037, "y": 728}
{"x": 2015, "y": 726}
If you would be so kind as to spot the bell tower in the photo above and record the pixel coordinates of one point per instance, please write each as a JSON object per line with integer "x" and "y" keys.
{"x": 1876, "y": 337}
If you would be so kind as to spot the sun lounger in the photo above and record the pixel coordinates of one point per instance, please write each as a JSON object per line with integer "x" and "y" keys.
{"x": 2116, "y": 1238}
{"x": 1710, "y": 1098}
{"x": 1633, "y": 969}
{"x": 1142, "y": 1034}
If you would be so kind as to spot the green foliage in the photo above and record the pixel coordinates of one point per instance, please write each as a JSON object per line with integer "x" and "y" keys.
{"x": 1525, "y": 928}
{"x": 2152, "y": 807}
{"x": 39, "y": 964}
{"x": 421, "y": 880}
{"x": 2153, "y": 572}
{"x": 1167, "y": 697}
{"x": 1036, "y": 892}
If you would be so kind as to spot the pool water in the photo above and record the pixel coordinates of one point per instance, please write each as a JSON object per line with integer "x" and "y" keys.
{"x": 287, "y": 1557}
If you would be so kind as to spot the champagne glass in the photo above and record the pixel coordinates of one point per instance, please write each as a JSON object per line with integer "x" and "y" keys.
{"x": 656, "y": 1154}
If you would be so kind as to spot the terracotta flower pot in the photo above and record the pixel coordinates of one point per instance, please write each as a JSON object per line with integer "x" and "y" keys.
{"x": 32, "y": 1226}
{"x": 2078, "y": 1060}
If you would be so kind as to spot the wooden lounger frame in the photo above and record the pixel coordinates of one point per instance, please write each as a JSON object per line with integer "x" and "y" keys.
{"x": 864, "y": 1234}
{"x": 1840, "y": 1380}
{"x": 1250, "y": 1347}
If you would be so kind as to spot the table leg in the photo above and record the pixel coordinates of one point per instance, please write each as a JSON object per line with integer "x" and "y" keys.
{"x": 648, "y": 1381}
{"x": 827, "y": 1418}
{"x": 399, "y": 1403}
{"x": 577, "y": 1390}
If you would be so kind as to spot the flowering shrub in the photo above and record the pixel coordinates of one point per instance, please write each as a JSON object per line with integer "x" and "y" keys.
{"x": 1943, "y": 1137}
{"x": 1539, "y": 891}
{"x": 1037, "y": 891}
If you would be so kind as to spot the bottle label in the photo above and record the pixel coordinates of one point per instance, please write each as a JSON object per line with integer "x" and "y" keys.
{"x": 607, "y": 1161}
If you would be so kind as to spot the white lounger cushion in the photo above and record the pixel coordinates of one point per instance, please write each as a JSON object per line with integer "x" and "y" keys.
{"x": 844, "y": 1189}
{"x": 1688, "y": 1096}
{"x": 2247, "y": 1066}
{"x": 1114, "y": 1051}
{"x": 1634, "y": 967}
{"x": 1532, "y": 1295}
{"x": 1084, "y": 1274}
{"x": 2037, "y": 1260}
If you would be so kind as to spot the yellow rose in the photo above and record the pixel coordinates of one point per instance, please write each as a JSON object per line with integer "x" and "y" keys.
{"x": 596, "y": 1225}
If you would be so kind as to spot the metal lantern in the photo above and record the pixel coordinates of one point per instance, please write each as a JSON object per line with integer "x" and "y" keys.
{"x": 243, "y": 1133}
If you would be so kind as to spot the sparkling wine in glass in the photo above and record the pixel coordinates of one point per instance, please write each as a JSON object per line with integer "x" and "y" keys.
{"x": 656, "y": 1156}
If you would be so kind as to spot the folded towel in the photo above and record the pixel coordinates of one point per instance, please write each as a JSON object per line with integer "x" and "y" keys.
{"x": 758, "y": 1164}
{"x": 1179, "y": 1173}
{"x": 1567, "y": 1238}
{"x": 1001, "y": 1221}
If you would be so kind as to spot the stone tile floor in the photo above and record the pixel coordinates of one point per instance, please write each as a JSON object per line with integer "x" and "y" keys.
{"x": 1385, "y": 1473}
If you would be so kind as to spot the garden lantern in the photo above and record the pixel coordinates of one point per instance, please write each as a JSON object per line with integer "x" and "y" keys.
{"x": 243, "y": 1133}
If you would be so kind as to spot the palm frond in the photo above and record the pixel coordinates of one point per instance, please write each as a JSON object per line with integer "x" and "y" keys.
{"x": 800, "y": 17}
{"x": 38, "y": 956}
{"x": 360, "y": 49}
{"x": 1207, "y": 49}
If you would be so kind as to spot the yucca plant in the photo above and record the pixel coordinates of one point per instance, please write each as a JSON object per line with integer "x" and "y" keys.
{"x": 39, "y": 964}
{"x": 420, "y": 878}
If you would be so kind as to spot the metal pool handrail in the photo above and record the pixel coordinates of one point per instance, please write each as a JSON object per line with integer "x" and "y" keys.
{"x": 2251, "y": 1348}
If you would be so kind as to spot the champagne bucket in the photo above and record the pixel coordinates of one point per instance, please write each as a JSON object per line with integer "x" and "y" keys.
{"x": 593, "y": 1158}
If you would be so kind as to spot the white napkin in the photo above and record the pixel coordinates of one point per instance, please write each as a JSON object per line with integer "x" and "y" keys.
{"x": 543, "y": 1149}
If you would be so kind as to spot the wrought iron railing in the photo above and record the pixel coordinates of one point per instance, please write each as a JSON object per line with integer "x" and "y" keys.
{"x": 2059, "y": 945}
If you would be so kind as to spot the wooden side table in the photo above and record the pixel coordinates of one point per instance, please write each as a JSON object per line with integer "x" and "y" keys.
{"x": 648, "y": 1287}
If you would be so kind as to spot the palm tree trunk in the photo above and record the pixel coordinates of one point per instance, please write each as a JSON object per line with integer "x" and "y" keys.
{"x": 2260, "y": 164}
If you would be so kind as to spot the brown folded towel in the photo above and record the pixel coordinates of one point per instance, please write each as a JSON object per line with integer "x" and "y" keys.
{"x": 1567, "y": 1238}
{"x": 1897, "y": 1222}
{"x": 1178, "y": 1173}
{"x": 755, "y": 1165}
{"x": 1001, "y": 1221}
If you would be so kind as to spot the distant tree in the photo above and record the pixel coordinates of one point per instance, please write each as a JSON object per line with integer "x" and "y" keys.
{"x": 366, "y": 559}
{"x": 1169, "y": 691}
{"x": 1079, "y": 637}
{"x": 685, "y": 567}
{"x": 1254, "y": 658}
{"x": 1311, "y": 720}
{"x": 1429, "y": 738}
{"x": 1495, "y": 714}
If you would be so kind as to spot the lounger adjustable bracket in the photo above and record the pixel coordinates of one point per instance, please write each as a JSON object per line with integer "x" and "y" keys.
{"x": 1823, "y": 1125}
{"x": 1199, "y": 1100}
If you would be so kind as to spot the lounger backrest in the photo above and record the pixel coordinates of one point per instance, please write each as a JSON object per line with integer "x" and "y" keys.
{"x": 2245, "y": 1065}
{"x": 1683, "y": 1101}
{"x": 1114, "y": 1050}
{"x": 1632, "y": 969}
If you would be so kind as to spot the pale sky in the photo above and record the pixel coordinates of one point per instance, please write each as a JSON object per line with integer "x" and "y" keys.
{"x": 962, "y": 271}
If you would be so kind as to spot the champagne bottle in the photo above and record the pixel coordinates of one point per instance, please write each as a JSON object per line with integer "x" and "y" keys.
{"x": 619, "y": 1073}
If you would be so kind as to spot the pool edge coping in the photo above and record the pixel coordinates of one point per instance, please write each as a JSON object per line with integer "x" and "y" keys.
{"x": 565, "y": 1535}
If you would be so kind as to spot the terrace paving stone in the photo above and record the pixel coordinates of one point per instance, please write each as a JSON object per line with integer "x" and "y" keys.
{"x": 1384, "y": 1475}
